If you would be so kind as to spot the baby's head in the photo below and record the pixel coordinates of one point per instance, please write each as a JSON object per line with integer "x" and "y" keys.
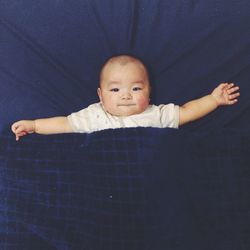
{"x": 124, "y": 86}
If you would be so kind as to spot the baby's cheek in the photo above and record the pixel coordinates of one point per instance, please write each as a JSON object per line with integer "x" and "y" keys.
{"x": 143, "y": 103}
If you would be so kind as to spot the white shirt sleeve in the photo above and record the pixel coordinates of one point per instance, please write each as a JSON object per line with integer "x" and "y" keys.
{"x": 86, "y": 120}
{"x": 169, "y": 114}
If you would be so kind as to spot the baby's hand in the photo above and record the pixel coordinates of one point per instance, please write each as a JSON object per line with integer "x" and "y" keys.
{"x": 226, "y": 94}
{"x": 22, "y": 128}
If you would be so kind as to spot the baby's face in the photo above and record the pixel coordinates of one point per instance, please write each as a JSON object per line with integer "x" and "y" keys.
{"x": 124, "y": 89}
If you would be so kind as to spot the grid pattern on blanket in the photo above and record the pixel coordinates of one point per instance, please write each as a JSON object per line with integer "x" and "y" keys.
{"x": 87, "y": 193}
{"x": 124, "y": 189}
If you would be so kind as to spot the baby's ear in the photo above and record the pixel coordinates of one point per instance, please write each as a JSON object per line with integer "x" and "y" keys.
{"x": 99, "y": 94}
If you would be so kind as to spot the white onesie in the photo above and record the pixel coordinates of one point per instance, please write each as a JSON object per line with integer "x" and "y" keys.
{"x": 94, "y": 118}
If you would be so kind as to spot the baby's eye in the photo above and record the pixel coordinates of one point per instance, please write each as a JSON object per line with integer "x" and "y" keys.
{"x": 137, "y": 88}
{"x": 114, "y": 90}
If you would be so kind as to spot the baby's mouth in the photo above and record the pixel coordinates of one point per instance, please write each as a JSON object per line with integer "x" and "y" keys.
{"x": 126, "y": 105}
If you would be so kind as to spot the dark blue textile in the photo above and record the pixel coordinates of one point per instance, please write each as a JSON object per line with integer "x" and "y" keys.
{"x": 51, "y": 53}
{"x": 124, "y": 189}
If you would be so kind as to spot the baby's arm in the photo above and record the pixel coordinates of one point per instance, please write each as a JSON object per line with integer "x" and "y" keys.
{"x": 224, "y": 94}
{"x": 54, "y": 125}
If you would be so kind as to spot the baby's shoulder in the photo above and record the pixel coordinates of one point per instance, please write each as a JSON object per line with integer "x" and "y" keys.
{"x": 161, "y": 106}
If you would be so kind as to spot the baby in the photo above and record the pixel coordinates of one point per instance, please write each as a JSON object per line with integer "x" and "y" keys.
{"x": 124, "y": 94}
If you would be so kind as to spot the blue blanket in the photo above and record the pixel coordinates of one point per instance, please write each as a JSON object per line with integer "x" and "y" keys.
{"x": 141, "y": 188}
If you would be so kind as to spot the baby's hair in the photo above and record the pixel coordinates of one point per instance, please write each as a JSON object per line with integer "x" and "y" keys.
{"x": 123, "y": 60}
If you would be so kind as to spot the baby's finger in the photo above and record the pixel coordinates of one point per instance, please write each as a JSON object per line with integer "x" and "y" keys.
{"x": 18, "y": 135}
{"x": 19, "y": 129}
{"x": 233, "y": 96}
{"x": 223, "y": 85}
{"x": 231, "y": 102}
{"x": 226, "y": 86}
{"x": 14, "y": 127}
{"x": 232, "y": 90}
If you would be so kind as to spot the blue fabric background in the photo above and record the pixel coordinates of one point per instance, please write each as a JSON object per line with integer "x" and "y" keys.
{"x": 52, "y": 51}
{"x": 130, "y": 188}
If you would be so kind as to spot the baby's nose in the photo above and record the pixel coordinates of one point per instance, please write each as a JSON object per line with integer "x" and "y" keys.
{"x": 126, "y": 96}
